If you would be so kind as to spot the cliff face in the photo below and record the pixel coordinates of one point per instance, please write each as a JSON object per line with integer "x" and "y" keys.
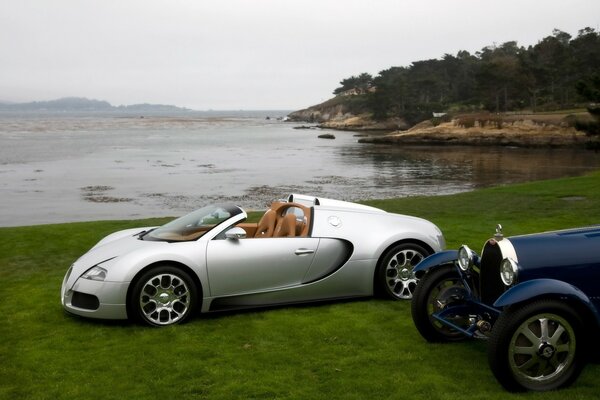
{"x": 336, "y": 114}
{"x": 321, "y": 113}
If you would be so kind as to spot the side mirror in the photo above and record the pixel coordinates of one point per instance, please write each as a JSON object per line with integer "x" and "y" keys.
{"x": 235, "y": 233}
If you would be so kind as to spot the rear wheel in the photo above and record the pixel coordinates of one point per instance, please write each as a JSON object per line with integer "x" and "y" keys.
{"x": 438, "y": 289}
{"x": 396, "y": 276}
{"x": 537, "y": 346}
{"x": 164, "y": 295}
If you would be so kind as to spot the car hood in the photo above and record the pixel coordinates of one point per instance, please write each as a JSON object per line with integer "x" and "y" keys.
{"x": 115, "y": 245}
{"x": 575, "y": 248}
{"x": 134, "y": 232}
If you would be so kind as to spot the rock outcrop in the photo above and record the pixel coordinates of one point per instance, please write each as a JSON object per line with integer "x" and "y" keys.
{"x": 509, "y": 132}
{"x": 321, "y": 113}
{"x": 336, "y": 114}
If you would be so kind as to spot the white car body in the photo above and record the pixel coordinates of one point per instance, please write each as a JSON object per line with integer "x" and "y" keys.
{"x": 337, "y": 257}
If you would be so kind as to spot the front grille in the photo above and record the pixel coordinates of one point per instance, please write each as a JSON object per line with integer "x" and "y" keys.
{"x": 474, "y": 281}
{"x": 85, "y": 301}
{"x": 490, "y": 284}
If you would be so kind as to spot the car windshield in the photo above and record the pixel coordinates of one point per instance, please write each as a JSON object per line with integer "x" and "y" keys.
{"x": 194, "y": 225}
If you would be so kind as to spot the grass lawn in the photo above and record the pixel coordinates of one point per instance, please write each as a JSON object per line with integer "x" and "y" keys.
{"x": 365, "y": 349}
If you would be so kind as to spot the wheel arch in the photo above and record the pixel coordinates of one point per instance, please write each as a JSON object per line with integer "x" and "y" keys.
{"x": 172, "y": 263}
{"x": 437, "y": 260}
{"x": 550, "y": 289}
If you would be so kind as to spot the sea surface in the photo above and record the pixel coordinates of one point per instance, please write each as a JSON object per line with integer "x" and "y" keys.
{"x": 64, "y": 168}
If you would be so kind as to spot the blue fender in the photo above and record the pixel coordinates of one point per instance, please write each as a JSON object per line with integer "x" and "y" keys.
{"x": 540, "y": 287}
{"x": 437, "y": 259}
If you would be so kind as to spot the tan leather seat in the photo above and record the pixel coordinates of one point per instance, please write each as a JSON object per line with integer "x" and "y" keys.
{"x": 300, "y": 226}
{"x": 286, "y": 227}
{"x": 266, "y": 225}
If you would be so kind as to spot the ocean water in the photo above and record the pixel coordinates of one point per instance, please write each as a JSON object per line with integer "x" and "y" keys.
{"x": 63, "y": 168}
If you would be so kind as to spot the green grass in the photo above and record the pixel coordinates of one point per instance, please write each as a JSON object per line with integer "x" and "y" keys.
{"x": 471, "y": 217}
{"x": 344, "y": 350}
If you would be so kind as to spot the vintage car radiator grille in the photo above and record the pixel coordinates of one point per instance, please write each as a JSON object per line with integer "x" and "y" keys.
{"x": 490, "y": 284}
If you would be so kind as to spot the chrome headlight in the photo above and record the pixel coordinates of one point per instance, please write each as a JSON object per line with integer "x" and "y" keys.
{"x": 95, "y": 273}
{"x": 509, "y": 271}
{"x": 466, "y": 257}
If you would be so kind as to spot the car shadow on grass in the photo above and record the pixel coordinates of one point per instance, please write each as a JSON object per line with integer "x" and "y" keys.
{"x": 122, "y": 323}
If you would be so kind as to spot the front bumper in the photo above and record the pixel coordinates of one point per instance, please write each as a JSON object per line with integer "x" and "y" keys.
{"x": 105, "y": 300}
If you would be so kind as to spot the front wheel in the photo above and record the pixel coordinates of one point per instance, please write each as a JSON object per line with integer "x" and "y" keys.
{"x": 164, "y": 295}
{"x": 438, "y": 289}
{"x": 537, "y": 346}
{"x": 395, "y": 275}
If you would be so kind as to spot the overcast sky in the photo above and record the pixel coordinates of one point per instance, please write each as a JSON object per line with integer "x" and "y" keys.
{"x": 247, "y": 54}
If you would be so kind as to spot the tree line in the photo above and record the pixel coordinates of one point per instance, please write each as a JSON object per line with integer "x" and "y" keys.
{"x": 556, "y": 73}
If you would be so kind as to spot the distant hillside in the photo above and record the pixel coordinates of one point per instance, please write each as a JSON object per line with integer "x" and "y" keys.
{"x": 81, "y": 104}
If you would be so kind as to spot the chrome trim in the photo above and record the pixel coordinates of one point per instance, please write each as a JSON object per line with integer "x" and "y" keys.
{"x": 470, "y": 258}
{"x": 235, "y": 233}
{"x": 165, "y": 299}
{"x": 498, "y": 235}
{"x": 514, "y": 269}
{"x": 507, "y": 249}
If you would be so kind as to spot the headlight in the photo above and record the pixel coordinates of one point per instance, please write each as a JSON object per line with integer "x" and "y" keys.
{"x": 466, "y": 257}
{"x": 95, "y": 273}
{"x": 508, "y": 271}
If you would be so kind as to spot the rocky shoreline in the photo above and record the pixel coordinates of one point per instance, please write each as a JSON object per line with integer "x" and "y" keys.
{"x": 333, "y": 114}
{"x": 474, "y": 129}
{"x": 521, "y": 133}
{"x": 363, "y": 122}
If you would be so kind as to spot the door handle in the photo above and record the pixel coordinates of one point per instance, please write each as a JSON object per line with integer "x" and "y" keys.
{"x": 301, "y": 252}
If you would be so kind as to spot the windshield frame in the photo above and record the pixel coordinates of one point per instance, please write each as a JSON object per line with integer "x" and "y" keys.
{"x": 192, "y": 226}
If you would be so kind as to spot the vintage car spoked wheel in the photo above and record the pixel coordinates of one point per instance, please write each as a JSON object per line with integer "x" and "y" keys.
{"x": 164, "y": 295}
{"x": 438, "y": 289}
{"x": 396, "y": 272}
{"x": 536, "y": 346}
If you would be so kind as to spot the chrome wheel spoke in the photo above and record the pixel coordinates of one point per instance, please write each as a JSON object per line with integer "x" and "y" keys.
{"x": 554, "y": 362}
{"x": 527, "y": 365}
{"x": 525, "y": 350}
{"x": 544, "y": 329}
{"x": 399, "y": 273}
{"x": 562, "y": 348}
{"x": 526, "y": 331}
{"x": 405, "y": 288}
{"x": 556, "y": 336}
{"x": 164, "y": 299}
{"x": 541, "y": 366}
{"x": 550, "y": 352}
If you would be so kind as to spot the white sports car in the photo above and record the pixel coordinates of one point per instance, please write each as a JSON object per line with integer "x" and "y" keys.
{"x": 303, "y": 249}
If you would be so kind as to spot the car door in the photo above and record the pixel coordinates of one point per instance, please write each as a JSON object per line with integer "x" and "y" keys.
{"x": 238, "y": 266}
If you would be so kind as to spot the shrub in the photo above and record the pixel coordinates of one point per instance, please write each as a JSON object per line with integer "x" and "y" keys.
{"x": 466, "y": 122}
{"x": 439, "y": 120}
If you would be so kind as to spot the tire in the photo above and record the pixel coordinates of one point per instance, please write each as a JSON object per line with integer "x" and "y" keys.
{"x": 395, "y": 277}
{"x": 164, "y": 295}
{"x": 521, "y": 359}
{"x": 439, "y": 283}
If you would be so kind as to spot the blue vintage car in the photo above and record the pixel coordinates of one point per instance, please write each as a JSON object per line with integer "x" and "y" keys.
{"x": 535, "y": 298}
